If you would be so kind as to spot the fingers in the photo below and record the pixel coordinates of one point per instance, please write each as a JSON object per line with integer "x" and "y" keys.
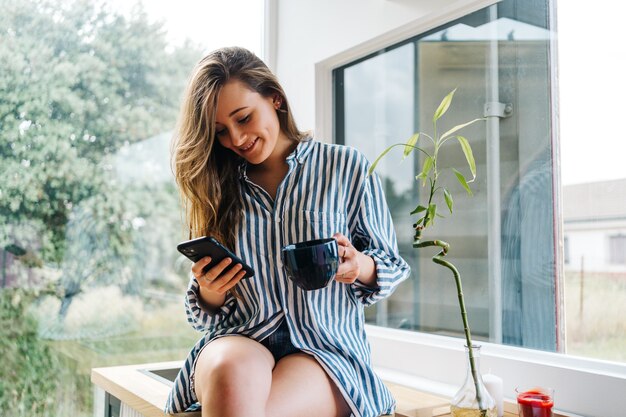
{"x": 346, "y": 253}
{"x": 224, "y": 284}
{"x": 349, "y": 268}
{"x": 343, "y": 244}
{"x": 346, "y": 277}
{"x": 220, "y": 277}
{"x": 341, "y": 239}
{"x": 196, "y": 268}
{"x": 219, "y": 269}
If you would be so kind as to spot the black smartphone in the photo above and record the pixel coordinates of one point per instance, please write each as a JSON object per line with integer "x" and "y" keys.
{"x": 196, "y": 249}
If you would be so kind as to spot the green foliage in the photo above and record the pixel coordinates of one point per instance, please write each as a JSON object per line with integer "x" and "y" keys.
{"x": 29, "y": 371}
{"x": 430, "y": 173}
{"x": 428, "y": 212}
{"x": 77, "y": 83}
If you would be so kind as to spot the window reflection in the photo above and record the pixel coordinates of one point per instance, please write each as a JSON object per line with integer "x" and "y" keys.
{"x": 89, "y": 212}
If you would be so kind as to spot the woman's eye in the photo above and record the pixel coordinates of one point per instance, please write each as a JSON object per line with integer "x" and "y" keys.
{"x": 244, "y": 120}
{"x": 220, "y": 132}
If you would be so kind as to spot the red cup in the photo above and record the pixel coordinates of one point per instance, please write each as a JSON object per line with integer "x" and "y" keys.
{"x": 535, "y": 402}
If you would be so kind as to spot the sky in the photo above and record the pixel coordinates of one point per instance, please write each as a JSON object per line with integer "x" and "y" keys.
{"x": 591, "y": 61}
{"x": 211, "y": 23}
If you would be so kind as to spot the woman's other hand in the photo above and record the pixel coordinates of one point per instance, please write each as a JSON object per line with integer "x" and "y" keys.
{"x": 353, "y": 264}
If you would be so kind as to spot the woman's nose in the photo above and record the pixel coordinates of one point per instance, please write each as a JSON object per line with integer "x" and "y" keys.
{"x": 238, "y": 136}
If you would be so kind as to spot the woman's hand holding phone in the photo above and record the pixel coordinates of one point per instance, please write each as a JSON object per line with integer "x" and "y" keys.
{"x": 213, "y": 252}
{"x": 219, "y": 278}
{"x": 216, "y": 269}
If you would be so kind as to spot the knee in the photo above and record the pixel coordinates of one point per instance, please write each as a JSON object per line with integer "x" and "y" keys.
{"x": 227, "y": 368}
{"x": 220, "y": 368}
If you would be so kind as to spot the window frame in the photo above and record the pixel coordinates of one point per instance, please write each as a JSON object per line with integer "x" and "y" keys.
{"x": 395, "y": 352}
{"x": 616, "y": 241}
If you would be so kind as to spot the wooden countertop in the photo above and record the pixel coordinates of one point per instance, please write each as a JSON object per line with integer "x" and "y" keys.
{"x": 147, "y": 395}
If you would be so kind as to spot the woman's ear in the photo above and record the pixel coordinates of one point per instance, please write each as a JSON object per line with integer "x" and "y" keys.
{"x": 278, "y": 102}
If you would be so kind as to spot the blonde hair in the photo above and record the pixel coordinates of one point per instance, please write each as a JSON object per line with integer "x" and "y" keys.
{"x": 206, "y": 172}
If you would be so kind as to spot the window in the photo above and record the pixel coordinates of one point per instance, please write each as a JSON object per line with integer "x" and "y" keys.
{"x": 379, "y": 78}
{"x": 617, "y": 249}
{"x": 89, "y": 213}
{"x": 502, "y": 239}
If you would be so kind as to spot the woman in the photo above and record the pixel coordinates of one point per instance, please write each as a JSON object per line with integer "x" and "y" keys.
{"x": 251, "y": 179}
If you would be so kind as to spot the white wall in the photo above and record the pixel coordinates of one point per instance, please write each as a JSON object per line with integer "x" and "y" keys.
{"x": 591, "y": 241}
{"x": 309, "y": 31}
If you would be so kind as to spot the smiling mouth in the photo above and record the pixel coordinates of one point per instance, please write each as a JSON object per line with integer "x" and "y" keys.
{"x": 248, "y": 146}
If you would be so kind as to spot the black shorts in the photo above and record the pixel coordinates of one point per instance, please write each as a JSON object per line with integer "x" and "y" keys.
{"x": 279, "y": 342}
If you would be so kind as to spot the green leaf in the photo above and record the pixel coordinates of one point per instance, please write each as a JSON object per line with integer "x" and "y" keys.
{"x": 428, "y": 164}
{"x": 448, "y": 198}
{"x": 410, "y": 145}
{"x": 443, "y": 107}
{"x": 423, "y": 177}
{"x": 373, "y": 167}
{"x": 431, "y": 213}
{"x": 459, "y": 127}
{"x": 462, "y": 180}
{"x": 418, "y": 209}
{"x": 469, "y": 155}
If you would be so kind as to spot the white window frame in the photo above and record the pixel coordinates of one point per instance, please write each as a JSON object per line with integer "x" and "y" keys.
{"x": 436, "y": 363}
{"x": 615, "y": 261}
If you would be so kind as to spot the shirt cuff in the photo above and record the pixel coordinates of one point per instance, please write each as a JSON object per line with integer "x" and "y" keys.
{"x": 200, "y": 317}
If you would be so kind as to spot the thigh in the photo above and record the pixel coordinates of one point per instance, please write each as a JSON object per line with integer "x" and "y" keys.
{"x": 231, "y": 368}
{"x": 301, "y": 387}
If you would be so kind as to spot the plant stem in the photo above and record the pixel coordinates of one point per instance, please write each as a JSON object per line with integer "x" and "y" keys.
{"x": 438, "y": 259}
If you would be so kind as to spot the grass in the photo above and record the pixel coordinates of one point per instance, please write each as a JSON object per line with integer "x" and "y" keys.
{"x": 163, "y": 334}
{"x": 42, "y": 378}
{"x": 595, "y": 322}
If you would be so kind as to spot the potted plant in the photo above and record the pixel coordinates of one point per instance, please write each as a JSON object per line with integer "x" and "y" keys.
{"x": 430, "y": 176}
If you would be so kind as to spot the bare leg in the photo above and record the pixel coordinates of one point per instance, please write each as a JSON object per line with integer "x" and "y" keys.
{"x": 301, "y": 387}
{"x": 233, "y": 377}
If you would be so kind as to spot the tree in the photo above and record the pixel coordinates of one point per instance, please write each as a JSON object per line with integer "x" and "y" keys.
{"x": 78, "y": 82}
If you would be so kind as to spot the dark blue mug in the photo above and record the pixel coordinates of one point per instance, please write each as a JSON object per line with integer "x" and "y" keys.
{"x": 311, "y": 265}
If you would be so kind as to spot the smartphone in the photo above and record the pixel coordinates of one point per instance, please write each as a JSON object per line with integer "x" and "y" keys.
{"x": 196, "y": 249}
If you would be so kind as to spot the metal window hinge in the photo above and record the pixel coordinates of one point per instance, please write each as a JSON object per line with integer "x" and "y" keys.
{"x": 495, "y": 109}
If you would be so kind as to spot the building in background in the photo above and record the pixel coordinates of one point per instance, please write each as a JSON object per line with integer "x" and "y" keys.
{"x": 594, "y": 226}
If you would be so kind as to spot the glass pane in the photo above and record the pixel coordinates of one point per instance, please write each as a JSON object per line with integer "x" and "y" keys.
{"x": 379, "y": 107}
{"x": 502, "y": 238}
{"x": 593, "y": 179}
{"x": 89, "y": 214}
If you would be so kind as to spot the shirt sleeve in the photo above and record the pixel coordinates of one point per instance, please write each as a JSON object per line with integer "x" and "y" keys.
{"x": 201, "y": 319}
{"x": 373, "y": 234}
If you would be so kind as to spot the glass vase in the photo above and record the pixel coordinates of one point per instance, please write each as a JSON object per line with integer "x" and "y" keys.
{"x": 465, "y": 402}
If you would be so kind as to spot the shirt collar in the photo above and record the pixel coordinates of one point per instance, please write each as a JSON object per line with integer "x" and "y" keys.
{"x": 302, "y": 150}
{"x": 300, "y": 154}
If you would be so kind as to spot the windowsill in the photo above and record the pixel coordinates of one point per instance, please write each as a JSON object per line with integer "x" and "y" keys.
{"x": 422, "y": 386}
{"x": 147, "y": 395}
{"x": 436, "y": 364}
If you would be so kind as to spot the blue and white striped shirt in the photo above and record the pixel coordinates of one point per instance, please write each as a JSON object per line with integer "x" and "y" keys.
{"x": 326, "y": 190}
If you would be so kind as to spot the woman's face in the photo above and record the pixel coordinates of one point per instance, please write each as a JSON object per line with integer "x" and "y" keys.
{"x": 246, "y": 122}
